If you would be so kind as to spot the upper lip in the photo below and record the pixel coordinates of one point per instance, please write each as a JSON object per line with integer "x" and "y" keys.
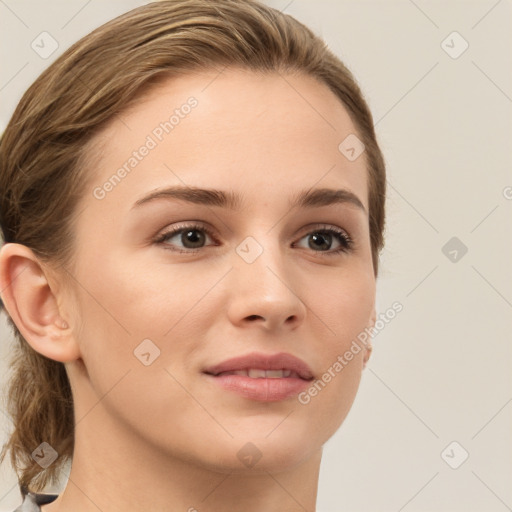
{"x": 280, "y": 361}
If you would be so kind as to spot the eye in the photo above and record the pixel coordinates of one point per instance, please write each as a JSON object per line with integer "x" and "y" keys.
{"x": 191, "y": 236}
{"x": 322, "y": 239}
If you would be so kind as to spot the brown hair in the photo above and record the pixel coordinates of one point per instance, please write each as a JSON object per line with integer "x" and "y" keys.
{"x": 46, "y": 146}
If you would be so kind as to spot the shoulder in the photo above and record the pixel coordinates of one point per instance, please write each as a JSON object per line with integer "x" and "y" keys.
{"x": 32, "y": 501}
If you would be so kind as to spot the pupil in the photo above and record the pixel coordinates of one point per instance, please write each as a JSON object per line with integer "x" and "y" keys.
{"x": 324, "y": 240}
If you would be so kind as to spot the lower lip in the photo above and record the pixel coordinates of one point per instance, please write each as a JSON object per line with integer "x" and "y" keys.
{"x": 261, "y": 389}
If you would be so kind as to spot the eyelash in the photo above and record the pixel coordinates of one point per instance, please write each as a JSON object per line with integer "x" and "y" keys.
{"x": 346, "y": 242}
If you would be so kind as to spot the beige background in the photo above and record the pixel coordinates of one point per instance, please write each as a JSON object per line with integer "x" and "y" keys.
{"x": 441, "y": 370}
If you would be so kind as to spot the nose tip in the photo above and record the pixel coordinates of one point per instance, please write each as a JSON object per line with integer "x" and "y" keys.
{"x": 263, "y": 291}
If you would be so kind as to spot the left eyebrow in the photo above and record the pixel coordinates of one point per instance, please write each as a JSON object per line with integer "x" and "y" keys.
{"x": 318, "y": 197}
{"x": 312, "y": 198}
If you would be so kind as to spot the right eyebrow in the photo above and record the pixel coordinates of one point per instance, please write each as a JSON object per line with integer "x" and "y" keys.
{"x": 201, "y": 196}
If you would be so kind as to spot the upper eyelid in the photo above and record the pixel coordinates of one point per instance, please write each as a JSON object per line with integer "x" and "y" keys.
{"x": 201, "y": 225}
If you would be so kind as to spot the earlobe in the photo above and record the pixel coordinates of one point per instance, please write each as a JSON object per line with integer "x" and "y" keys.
{"x": 32, "y": 304}
{"x": 369, "y": 347}
{"x": 367, "y": 354}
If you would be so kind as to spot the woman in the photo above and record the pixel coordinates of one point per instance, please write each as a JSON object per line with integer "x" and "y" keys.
{"x": 193, "y": 210}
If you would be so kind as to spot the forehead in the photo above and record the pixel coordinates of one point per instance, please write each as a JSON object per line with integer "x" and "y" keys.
{"x": 266, "y": 133}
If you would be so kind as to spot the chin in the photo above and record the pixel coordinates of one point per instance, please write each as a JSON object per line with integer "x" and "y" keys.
{"x": 269, "y": 452}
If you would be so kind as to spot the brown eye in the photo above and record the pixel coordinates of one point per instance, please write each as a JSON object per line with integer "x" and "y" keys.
{"x": 185, "y": 238}
{"x": 191, "y": 238}
{"x": 321, "y": 240}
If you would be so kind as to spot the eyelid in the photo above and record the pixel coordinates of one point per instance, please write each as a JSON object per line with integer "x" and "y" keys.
{"x": 321, "y": 226}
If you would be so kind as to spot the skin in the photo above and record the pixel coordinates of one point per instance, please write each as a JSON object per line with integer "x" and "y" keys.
{"x": 160, "y": 437}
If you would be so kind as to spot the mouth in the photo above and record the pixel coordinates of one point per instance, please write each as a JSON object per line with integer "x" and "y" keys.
{"x": 262, "y": 377}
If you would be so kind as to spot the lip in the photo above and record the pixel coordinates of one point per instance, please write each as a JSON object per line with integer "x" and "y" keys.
{"x": 262, "y": 389}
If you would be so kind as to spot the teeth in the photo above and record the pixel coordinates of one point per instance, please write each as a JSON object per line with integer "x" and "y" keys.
{"x": 255, "y": 373}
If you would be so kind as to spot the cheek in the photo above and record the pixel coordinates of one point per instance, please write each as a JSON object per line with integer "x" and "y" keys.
{"x": 134, "y": 300}
{"x": 123, "y": 309}
{"x": 347, "y": 307}
{"x": 127, "y": 303}
{"x": 345, "y": 312}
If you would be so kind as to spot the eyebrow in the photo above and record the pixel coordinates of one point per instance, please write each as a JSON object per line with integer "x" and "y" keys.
{"x": 312, "y": 198}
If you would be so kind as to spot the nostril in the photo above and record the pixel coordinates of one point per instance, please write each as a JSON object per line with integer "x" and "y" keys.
{"x": 253, "y": 317}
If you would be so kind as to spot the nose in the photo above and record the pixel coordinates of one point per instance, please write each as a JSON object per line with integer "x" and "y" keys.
{"x": 266, "y": 292}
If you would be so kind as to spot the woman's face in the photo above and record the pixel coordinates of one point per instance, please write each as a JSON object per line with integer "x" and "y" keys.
{"x": 259, "y": 275}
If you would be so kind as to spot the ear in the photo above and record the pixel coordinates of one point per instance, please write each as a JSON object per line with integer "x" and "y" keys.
{"x": 368, "y": 348}
{"x": 32, "y": 304}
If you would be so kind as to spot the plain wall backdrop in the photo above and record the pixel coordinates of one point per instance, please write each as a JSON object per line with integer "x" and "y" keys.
{"x": 430, "y": 427}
